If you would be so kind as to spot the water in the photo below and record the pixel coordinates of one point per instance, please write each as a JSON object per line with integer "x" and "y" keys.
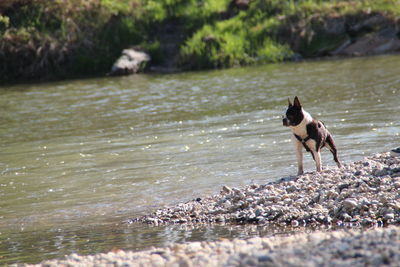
{"x": 77, "y": 158}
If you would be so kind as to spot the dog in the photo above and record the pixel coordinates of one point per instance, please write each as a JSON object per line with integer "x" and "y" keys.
{"x": 308, "y": 133}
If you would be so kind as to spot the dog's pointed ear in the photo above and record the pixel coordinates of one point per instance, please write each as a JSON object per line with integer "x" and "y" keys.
{"x": 289, "y": 103}
{"x": 297, "y": 102}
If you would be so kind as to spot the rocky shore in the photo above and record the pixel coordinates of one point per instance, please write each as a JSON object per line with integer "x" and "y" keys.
{"x": 340, "y": 248}
{"x": 364, "y": 192}
{"x": 360, "y": 194}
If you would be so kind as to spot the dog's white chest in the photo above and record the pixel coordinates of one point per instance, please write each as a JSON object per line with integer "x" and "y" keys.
{"x": 301, "y": 128}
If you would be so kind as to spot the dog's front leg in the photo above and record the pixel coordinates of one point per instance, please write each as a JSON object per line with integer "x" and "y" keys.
{"x": 317, "y": 158}
{"x": 299, "y": 156}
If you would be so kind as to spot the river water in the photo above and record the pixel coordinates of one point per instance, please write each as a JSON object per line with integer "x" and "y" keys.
{"x": 78, "y": 158}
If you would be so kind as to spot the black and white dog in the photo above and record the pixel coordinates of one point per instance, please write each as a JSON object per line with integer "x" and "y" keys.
{"x": 308, "y": 133}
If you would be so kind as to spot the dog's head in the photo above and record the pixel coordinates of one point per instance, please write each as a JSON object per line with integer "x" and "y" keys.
{"x": 294, "y": 113}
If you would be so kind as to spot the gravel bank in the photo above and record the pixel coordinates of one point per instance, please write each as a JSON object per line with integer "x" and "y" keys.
{"x": 340, "y": 248}
{"x": 365, "y": 192}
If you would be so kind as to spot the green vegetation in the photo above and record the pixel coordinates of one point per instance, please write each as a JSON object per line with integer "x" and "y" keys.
{"x": 43, "y": 39}
{"x": 229, "y": 43}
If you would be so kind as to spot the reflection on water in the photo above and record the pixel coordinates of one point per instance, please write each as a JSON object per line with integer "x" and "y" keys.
{"x": 102, "y": 150}
{"x": 36, "y": 246}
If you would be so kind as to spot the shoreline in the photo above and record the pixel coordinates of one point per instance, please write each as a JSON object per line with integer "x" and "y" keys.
{"x": 360, "y": 194}
{"x": 174, "y": 71}
{"x": 52, "y": 41}
{"x": 339, "y": 248}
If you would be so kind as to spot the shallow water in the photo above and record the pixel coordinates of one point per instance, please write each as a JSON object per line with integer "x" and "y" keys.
{"x": 77, "y": 158}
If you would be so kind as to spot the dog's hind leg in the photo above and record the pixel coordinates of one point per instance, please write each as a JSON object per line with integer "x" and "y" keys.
{"x": 332, "y": 148}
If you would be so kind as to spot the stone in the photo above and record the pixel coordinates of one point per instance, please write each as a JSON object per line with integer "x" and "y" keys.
{"x": 380, "y": 172}
{"x": 371, "y": 45}
{"x": 346, "y": 217}
{"x": 350, "y": 203}
{"x": 265, "y": 258}
{"x": 226, "y": 189}
{"x": 131, "y": 61}
{"x": 389, "y": 216}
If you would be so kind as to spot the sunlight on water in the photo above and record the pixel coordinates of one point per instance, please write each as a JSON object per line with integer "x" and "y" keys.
{"x": 103, "y": 150}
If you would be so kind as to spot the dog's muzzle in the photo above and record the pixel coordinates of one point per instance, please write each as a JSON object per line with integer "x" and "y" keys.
{"x": 285, "y": 122}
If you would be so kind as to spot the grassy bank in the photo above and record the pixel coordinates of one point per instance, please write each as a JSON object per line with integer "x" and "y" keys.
{"x": 59, "y": 39}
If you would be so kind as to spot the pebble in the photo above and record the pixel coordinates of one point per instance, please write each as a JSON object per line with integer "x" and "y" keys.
{"x": 226, "y": 189}
{"x": 350, "y": 203}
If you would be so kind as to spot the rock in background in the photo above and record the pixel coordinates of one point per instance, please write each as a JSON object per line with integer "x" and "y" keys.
{"x": 131, "y": 61}
{"x": 351, "y": 35}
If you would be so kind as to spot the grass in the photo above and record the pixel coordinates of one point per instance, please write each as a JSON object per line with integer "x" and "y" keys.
{"x": 43, "y": 39}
